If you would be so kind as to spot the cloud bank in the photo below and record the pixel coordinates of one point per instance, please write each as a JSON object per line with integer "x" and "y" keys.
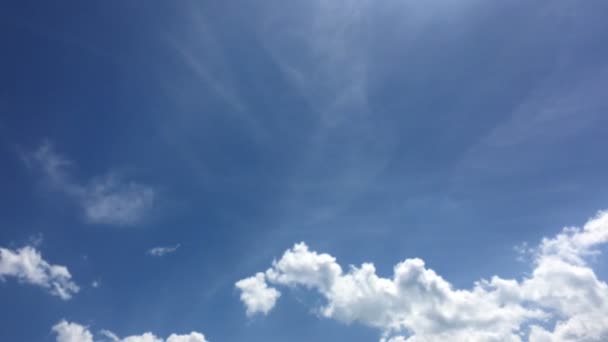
{"x": 26, "y": 264}
{"x": 74, "y": 332}
{"x": 104, "y": 200}
{"x": 562, "y": 299}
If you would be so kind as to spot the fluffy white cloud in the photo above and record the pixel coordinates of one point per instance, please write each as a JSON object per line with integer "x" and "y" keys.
{"x": 257, "y": 296}
{"x": 192, "y": 337}
{"x": 104, "y": 200}
{"x": 562, "y": 299}
{"x": 26, "y": 264}
{"x": 147, "y": 337}
{"x": 74, "y": 332}
{"x": 161, "y": 251}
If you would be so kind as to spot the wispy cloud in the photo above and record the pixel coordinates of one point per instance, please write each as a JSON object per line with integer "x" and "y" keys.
{"x": 557, "y": 109}
{"x": 200, "y": 52}
{"x": 27, "y": 266}
{"x": 35, "y": 240}
{"x": 112, "y": 201}
{"x": 161, "y": 251}
{"x": 324, "y": 56}
{"x": 104, "y": 200}
{"x": 417, "y": 304}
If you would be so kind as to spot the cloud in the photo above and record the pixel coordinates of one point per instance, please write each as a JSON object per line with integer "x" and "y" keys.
{"x": 161, "y": 251}
{"x": 26, "y": 264}
{"x": 556, "y": 109}
{"x": 111, "y": 201}
{"x": 104, "y": 200}
{"x": 192, "y": 337}
{"x": 35, "y": 240}
{"x": 562, "y": 299}
{"x": 107, "y": 333}
{"x": 257, "y": 296}
{"x": 74, "y": 332}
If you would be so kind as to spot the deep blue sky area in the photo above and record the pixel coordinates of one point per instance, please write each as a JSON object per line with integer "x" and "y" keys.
{"x": 375, "y": 131}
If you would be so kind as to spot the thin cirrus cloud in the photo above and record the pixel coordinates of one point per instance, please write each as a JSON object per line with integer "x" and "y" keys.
{"x": 74, "y": 332}
{"x": 162, "y": 251}
{"x": 104, "y": 200}
{"x": 27, "y": 266}
{"x": 561, "y": 300}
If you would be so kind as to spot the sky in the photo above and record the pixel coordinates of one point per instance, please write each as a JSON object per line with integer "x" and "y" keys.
{"x": 357, "y": 170}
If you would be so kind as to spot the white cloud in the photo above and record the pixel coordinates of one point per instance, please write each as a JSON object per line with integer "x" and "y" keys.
{"x": 146, "y": 337}
{"x": 192, "y": 337}
{"x": 111, "y": 201}
{"x": 104, "y": 200}
{"x": 257, "y": 296}
{"x": 74, "y": 332}
{"x": 107, "y": 333}
{"x": 161, "y": 251}
{"x": 26, "y": 264}
{"x": 417, "y": 304}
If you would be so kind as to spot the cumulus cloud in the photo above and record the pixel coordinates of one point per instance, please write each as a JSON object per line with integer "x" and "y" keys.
{"x": 161, "y": 251}
{"x": 104, "y": 200}
{"x": 257, "y": 296}
{"x": 562, "y": 299}
{"x": 26, "y": 264}
{"x": 74, "y": 332}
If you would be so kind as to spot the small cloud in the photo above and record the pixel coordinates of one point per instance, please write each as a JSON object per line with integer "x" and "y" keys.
{"x": 524, "y": 252}
{"x": 257, "y": 296}
{"x": 107, "y": 199}
{"x": 95, "y": 284}
{"x": 74, "y": 332}
{"x": 110, "y": 335}
{"x": 27, "y": 266}
{"x": 111, "y": 201}
{"x": 161, "y": 251}
{"x": 35, "y": 240}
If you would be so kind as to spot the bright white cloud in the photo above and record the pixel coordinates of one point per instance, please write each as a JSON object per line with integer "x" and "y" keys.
{"x": 104, "y": 200}
{"x": 562, "y": 299}
{"x": 161, "y": 251}
{"x": 257, "y": 296}
{"x": 26, "y": 264}
{"x": 74, "y": 332}
{"x": 192, "y": 337}
{"x": 146, "y": 337}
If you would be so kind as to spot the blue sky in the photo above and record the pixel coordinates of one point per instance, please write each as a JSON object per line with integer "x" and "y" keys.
{"x": 161, "y": 153}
